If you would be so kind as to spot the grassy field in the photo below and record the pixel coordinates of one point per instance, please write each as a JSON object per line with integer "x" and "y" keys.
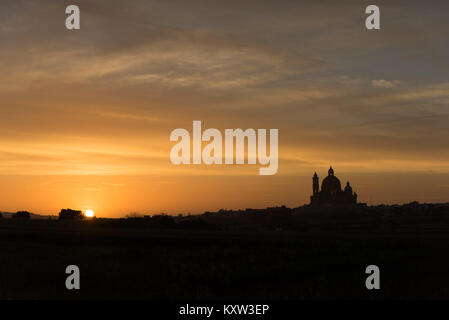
{"x": 324, "y": 260}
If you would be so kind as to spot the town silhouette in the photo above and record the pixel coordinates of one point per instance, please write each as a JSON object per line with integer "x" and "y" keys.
{"x": 318, "y": 250}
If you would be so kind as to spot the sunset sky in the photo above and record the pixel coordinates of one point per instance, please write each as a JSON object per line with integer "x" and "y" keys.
{"x": 86, "y": 116}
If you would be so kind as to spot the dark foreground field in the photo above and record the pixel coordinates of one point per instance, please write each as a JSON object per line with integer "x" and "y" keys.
{"x": 322, "y": 260}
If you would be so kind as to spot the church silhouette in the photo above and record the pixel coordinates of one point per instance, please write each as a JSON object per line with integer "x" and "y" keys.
{"x": 331, "y": 192}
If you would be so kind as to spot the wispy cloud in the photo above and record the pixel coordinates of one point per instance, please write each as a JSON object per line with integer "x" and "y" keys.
{"x": 385, "y": 83}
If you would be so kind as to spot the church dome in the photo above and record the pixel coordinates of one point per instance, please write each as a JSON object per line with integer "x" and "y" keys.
{"x": 331, "y": 184}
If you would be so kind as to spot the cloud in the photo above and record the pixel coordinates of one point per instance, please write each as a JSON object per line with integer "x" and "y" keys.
{"x": 385, "y": 83}
{"x": 169, "y": 64}
{"x": 92, "y": 189}
{"x": 133, "y": 73}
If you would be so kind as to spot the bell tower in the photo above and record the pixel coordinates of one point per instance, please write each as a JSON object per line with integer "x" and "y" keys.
{"x": 315, "y": 184}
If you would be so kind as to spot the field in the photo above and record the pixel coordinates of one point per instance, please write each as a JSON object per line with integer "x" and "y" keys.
{"x": 325, "y": 259}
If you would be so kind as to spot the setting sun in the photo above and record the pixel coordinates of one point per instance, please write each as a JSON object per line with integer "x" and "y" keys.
{"x": 89, "y": 213}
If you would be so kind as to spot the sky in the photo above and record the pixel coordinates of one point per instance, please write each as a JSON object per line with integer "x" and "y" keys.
{"x": 86, "y": 115}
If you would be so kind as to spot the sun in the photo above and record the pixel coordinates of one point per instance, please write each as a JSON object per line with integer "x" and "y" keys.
{"x": 89, "y": 213}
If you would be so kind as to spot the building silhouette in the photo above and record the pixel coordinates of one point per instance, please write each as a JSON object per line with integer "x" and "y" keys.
{"x": 331, "y": 192}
